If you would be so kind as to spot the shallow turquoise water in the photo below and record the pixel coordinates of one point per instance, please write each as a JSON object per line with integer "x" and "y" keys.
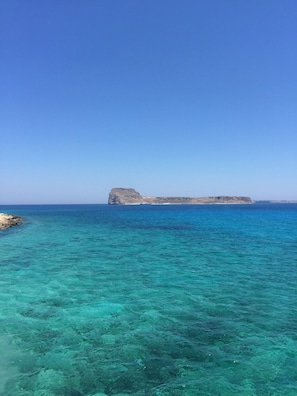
{"x": 149, "y": 300}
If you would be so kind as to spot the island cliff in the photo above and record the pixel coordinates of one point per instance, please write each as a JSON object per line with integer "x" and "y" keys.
{"x": 7, "y": 221}
{"x": 128, "y": 196}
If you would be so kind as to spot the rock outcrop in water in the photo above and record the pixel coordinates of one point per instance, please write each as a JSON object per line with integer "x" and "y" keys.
{"x": 7, "y": 221}
{"x": 128, "y": 196}
{"x": 124, "y": 196}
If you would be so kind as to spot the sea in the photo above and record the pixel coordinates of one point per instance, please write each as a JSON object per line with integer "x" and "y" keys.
{"x": 185, "y": 300}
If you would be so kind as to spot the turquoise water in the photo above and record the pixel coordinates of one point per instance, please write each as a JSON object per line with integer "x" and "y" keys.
{"x": 149, "y": 300}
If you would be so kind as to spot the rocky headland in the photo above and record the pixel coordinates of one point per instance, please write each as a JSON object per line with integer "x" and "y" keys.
{"x": 128, "y": 196}
{"x": 7, "y": 221}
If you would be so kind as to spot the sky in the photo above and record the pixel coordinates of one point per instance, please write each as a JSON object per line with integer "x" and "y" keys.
{"x": 170, "y": 97}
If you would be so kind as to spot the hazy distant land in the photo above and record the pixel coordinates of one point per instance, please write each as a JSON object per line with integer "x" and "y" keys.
{"x": 272, "y": 201}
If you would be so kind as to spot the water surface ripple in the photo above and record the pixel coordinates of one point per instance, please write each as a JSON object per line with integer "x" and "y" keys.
{"x": 149, "y": 301}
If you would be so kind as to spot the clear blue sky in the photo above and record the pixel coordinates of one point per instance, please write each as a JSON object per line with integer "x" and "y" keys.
{"x": 187, "y": 97}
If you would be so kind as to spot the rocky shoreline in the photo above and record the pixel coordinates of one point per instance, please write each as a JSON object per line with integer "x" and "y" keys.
{"x": 128, "y": 196}
{"x": 8, "y": 220}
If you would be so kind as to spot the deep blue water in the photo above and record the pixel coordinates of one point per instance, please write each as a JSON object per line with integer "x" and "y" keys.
{"x": 149, "y": 300}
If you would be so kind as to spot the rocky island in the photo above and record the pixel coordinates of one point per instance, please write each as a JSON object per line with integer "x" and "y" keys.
{"x": 128, "y": 196}
{"x": 7, "y": 221}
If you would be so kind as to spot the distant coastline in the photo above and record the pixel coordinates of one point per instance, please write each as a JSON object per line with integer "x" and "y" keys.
{"x": 273, "y": 201}
{"x": 8, "y": 220}
{"x": 129, "y": 196}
